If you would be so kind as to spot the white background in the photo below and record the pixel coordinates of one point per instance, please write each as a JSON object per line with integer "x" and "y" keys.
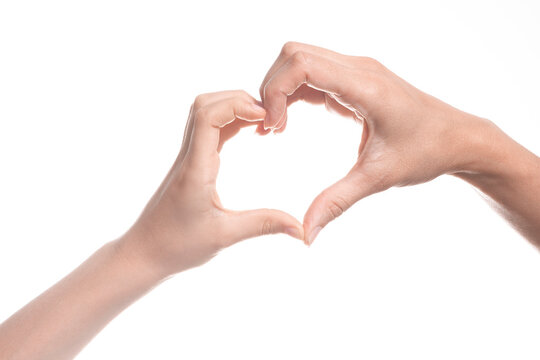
{"x": 93, "y": 101}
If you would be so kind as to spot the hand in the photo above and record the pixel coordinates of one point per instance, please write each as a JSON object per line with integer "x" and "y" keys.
{"x": 409, "y": 137}
{"x": 184, "y": 224}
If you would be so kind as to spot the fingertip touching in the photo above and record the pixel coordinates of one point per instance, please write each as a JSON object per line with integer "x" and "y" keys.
{"x": 276, "y": 110}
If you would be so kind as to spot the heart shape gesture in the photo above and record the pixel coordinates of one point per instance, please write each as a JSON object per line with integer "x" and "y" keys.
{"x": 184, "y": 224}
{"x": 409, "y": 137}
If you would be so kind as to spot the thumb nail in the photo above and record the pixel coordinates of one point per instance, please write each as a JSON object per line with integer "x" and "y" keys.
{"x": 313, "y": 234}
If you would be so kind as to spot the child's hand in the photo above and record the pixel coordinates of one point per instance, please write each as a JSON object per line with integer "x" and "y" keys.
{"x": 184, "y": 224}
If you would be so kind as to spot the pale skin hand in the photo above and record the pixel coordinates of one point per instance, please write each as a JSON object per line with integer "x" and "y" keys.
{"x": 187, "y": 206}
{"x": 409, "y": 136}
{"x": 184, "y": 225}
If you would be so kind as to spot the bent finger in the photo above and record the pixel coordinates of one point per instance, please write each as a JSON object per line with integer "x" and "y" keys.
{"x": 290, "y": 48}
{"x": 303, "y": 69}
{"x": 209, "y": 120}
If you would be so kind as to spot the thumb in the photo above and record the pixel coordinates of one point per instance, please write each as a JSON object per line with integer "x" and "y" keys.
{"x": 259, "y": 222}
{"x": 333, "y": 201}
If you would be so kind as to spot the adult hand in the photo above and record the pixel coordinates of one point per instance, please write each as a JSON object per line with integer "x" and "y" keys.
{"x": 184, "y": 224}
{"x": 409, "y": 137}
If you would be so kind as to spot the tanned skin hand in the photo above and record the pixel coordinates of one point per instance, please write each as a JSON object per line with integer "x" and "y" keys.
{"x": 409, "y": 136}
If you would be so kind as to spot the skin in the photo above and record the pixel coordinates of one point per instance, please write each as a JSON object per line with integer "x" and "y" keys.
{"x": 409, "y": 137}
{"x": 184, "y": 225}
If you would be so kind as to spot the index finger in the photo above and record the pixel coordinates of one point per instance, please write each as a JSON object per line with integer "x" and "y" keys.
{"x": 209, "y": 120}
{"x": 301, "y": 68}
{"x": 292, "y": 47}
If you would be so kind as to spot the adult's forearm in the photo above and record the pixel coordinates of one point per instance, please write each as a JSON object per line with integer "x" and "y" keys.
{"x": 509, "y": 176}
{"x": 62, "y": 320}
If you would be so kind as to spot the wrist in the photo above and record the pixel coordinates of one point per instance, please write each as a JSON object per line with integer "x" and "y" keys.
{"x": 478, "y": 146}
{"x": 132, "y": 253}
{"x": 489, "y": 155}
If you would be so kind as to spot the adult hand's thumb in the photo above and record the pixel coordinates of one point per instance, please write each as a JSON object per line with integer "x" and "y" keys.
{"x": 332, "y": 202}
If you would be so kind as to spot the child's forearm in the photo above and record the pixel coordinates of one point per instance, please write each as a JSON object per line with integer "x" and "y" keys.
{"x": 61, "y": 321}
{"x": 184, "y": 225}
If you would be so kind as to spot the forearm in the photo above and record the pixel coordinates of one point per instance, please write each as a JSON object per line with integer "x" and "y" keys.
{"x": 62, "y": 320}
{"x": 183, "y": 225}
{"x": 508, "y": 175}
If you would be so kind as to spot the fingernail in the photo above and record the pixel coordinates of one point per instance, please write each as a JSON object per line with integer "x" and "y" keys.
{"x": 267, "y": 124}
{"x": 280, "y": 123}
{"x": 294, "y": 232}
{"x": 313, "y": 234}
{"x": 277, "y": 128}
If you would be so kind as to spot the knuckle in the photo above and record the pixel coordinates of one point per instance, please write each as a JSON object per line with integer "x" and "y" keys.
{"x": 267, "y": 227}
{"x": 337, "y": 206}
{"x": 299, "y": 59}
{"x": 270, "y": 90}
{"x": 289, "y": 48}
{"x": 238, "y": 103}
{"x": 334, "y": 210}
{"x": 243, "y": 94}
{"x": 202, "y": 113}
{"x": 374, "y": 86}
{"x": 369, "y": 62}
{"x": 200, "y": 101}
